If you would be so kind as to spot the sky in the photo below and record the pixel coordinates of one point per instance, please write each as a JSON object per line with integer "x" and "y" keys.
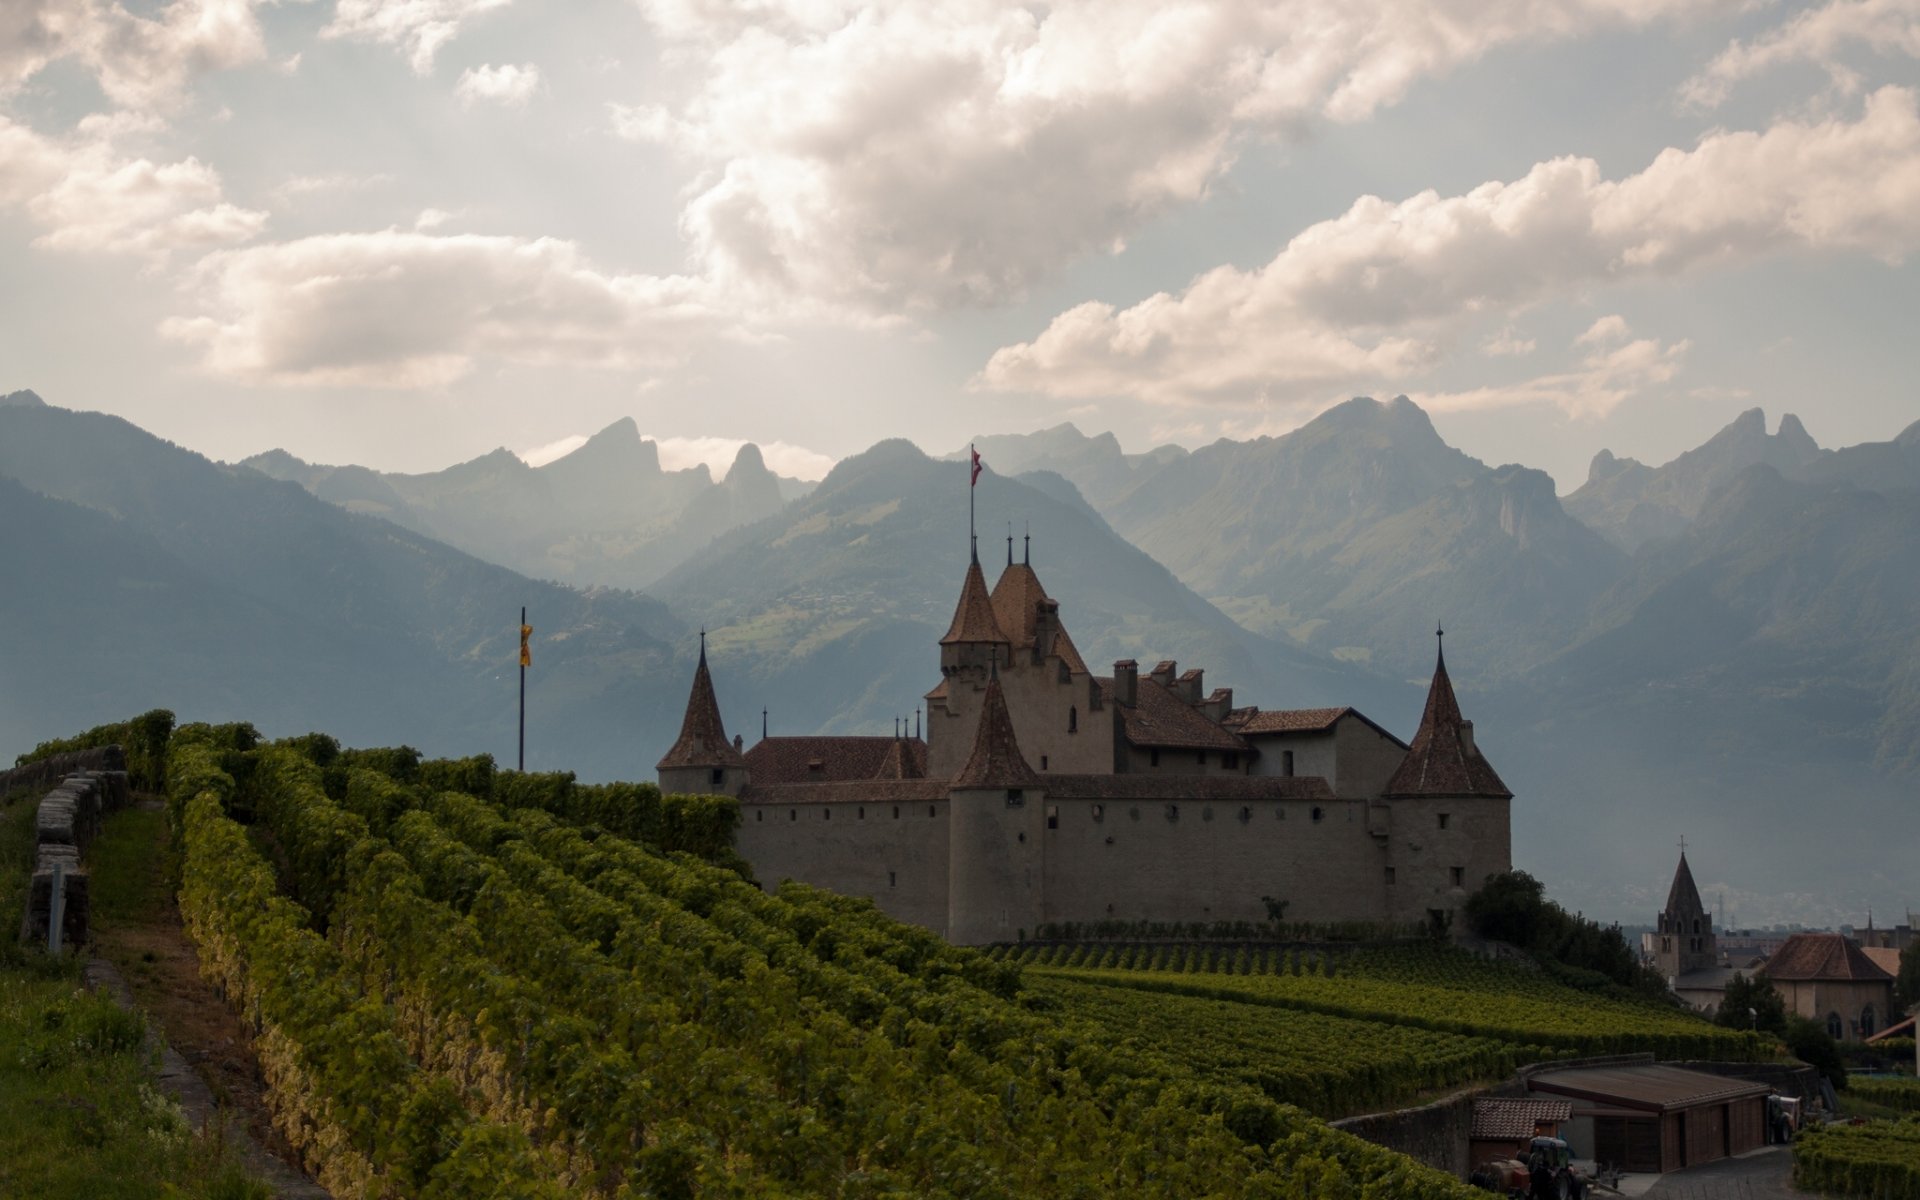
{"x": 405, "y": 232}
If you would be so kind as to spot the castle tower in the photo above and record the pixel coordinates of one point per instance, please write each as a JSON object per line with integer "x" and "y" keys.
{"x": 995, "y": 824}
{"x": 1684, "y": 939}
{"x": 974, "y": 642}
{"x": 1449, "y": 826}
{"x": 702, "y": 761}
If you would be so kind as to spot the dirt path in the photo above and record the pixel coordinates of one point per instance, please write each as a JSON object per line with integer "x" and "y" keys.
{"x": 145, "y": 960}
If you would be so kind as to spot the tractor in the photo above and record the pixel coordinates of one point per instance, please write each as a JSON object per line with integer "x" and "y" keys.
{"x": 1547, "y": 1173}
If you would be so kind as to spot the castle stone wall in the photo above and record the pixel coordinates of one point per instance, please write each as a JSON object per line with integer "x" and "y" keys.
{"x": 1207, "y": 864}
{"x": 858, "y": 849}
{"x": 1424, "y": 855}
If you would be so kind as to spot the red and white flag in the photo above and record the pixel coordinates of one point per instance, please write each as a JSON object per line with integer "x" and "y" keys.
{"x": 975, "y": 481}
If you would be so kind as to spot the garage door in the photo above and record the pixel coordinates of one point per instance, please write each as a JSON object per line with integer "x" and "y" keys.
{"x": 1631, "y": 1143}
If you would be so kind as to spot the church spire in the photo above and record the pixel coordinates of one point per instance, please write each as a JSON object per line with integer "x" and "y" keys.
{"x": 1444, "y": 760}
{"x": 703, "y": 738}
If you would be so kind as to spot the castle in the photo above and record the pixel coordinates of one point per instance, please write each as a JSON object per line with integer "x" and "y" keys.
{"x": 1043, "y": 793}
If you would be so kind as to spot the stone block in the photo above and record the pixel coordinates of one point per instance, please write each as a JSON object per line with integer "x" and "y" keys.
{"x": 74, "y": 922}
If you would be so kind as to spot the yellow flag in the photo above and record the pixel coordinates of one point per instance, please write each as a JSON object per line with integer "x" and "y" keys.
{"x": 526, "y": 651}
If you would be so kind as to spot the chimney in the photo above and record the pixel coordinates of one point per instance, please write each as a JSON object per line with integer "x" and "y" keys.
{"x": 1046, "y": 625}
{"x": 1162, "y": 673}
{"x": 1126, "y": 682}
{"x": 738, "y": 741}
{"x": 1466, "y": 739}
{"x": 1219, "y": 705}
{"x": 1190, "y": 686}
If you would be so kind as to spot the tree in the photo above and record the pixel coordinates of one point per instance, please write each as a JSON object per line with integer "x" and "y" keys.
{"x": 1906, "y": 985}
{"x": 1752, "y": 1004}
{"x": 1812, "y": 1044}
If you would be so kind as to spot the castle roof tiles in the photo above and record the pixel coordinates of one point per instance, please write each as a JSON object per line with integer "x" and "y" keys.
{"x": 1159, "y": 719}
{"x": 703, "y": 739}
{"x": 996, "y": 761}
{"x": 973, "y": 619}
{"x": 777, "y": 760}
{"x": 1250, "y": 722}
{"x": 1187, "y": 787}
{"x": 1443, "y": 761}
{"x": 1683, "y": 896}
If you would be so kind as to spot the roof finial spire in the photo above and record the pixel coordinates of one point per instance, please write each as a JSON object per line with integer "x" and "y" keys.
{"x": 763, "y": 724}
{"x": 1440, "y": 640}
{"x": 1026, "y": 545}
{"x": 916, "y": 722}
{"x": 896, "y": 729}
{"x": 1683, "y": 845}
{"x": 703, "y": 644}
{"x": 1009, "y": 543}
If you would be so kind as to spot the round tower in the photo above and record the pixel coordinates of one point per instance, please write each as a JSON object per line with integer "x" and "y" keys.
{"x": 995, "y": 883}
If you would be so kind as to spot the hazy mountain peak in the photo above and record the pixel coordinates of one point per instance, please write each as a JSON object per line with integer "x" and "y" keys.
{"x": 1910, "y": 436}
{"x": 1794, "y": 436}
{"x": 277, "y": 462}
{"x": 748, "y": 463}
{"x": 619, "y": 447}
{"x": 24, "y": 398}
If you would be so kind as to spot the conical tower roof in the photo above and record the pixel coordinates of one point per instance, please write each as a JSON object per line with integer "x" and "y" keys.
{"x": 1683, "y": 896}
{"x": 973, "y": 619}
{"x": 703, "y": 739}
{"x": 996, "y": 761}
{"x": 904, "y": 760}
{"x": 1442, "y": 761}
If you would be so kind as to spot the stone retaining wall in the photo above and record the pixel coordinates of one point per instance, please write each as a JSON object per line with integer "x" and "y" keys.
{"x": 45, "y": 772}
{"x": 64, "y": 827}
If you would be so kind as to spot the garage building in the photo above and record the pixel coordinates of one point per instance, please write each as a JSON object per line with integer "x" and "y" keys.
{"x": 1651, "y": 1118}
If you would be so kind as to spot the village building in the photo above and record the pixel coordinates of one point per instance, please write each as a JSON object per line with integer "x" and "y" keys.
{"x": 1827, "y": 978}
{"x": 1683, "y": 946}
{"x": 1654, "y": 1117}
{"x": 1045, "y": 794}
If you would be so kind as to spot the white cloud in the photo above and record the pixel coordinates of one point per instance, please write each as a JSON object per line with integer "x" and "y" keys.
{"x": 782, "y": 458}
{"x": 1821, "y": 36}
{"x": 1373, "y": 296}
{"x": 399, "y": 309}
{"x": 893, "y": 155}
{"x": 681, "y": 453}
{"x": 89, "y": 196}
{"x": 506, "y": 84}
{"x": 540, "y": 456}
{"x": 1507, "y": 344}
{"x": 306, "y": 185}
{"x": 1616, "y": 368}
{"x": 141, "y": 62}
{"x": 417, "y": 27}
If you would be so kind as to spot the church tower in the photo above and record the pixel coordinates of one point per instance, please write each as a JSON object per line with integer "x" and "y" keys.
{"x": 994, "y": 859}
{"x": 1684, "y": 939}
{"x": 1449, "y": 824}
{"x": 702, "y": 761}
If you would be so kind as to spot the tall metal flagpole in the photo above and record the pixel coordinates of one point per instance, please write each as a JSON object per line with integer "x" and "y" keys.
{"x": 973, "y": 477}
{"x": 523, "y": 688}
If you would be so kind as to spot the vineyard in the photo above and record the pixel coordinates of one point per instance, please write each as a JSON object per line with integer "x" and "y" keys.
{"x": 469, "y": 982}
{"x": 1879, "y": 1160}
{"x": 1333, "y": 1066}
{"x": 1433, "y": 988}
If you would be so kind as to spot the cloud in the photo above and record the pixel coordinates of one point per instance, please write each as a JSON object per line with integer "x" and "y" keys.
{"x": 404, "y": 309}
{"x": 417, "y": 27}
{"x": 88, "y": 196}
{"x": 895, "y": 156}
{"x": 782, "y": 458}
{"x": 540, "y": 456}
{"x": 509, "y": 85}
{"x": 1616, "y": 367}
{"x": 1506, "y": 344}
{"x": 681, "y": 453}
{"x": 141, "y": 62}
{"x": 1372, "y": 297}
{"x": 1821, "y": 36}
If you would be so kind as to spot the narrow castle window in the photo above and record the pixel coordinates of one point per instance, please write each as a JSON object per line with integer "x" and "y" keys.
{"x": 1200, "y": 756}
{"x": 1015, "y": 798}
{"x": 1173, "y": 812}
{"x": 860, "y": 813}
{"x": 1286, "y": 764}
{"x": 1153, "y": 758}
{"x": 930, "y": 810}
{"x": 826, "y": 814}
{"x": 1053, "y": 816}
{"x": 759, "y": 816}
{"x": 1443, "y": 820}
{"x": 793, "y": 814}
{"x": 1099, "y": 812}
{"x": 892, "y": 879}
{"x": 1043, "y": 762}
{"x": 1073, "y": 719}
{"x": 1318, "y": 813}
{"x": 1836, "y": 1028}
{"x": 719, "y": 776}
{"x": 896, "y": 812}
{"x": 1246, "y": 813}
{"x": 1230, "y": 760}
{"x": 1389, "y": 874}
{"x": 1459, "y": 876}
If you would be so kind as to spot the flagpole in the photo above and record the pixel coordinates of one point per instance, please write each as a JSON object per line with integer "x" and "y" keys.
{"x": 973, "y": 476}
{"x": 523, "y": 689}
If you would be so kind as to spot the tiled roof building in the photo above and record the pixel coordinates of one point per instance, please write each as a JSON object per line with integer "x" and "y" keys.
{"x": 1043, "y": 794}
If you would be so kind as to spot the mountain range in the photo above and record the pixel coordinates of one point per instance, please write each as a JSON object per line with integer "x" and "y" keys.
{"x": 1723, "y": 646}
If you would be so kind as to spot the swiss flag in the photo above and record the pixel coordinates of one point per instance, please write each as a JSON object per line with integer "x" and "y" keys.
{"x": 974, "y": 482}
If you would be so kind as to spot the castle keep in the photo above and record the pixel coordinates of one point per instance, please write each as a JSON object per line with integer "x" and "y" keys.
{"x": 1043, "y": 793}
